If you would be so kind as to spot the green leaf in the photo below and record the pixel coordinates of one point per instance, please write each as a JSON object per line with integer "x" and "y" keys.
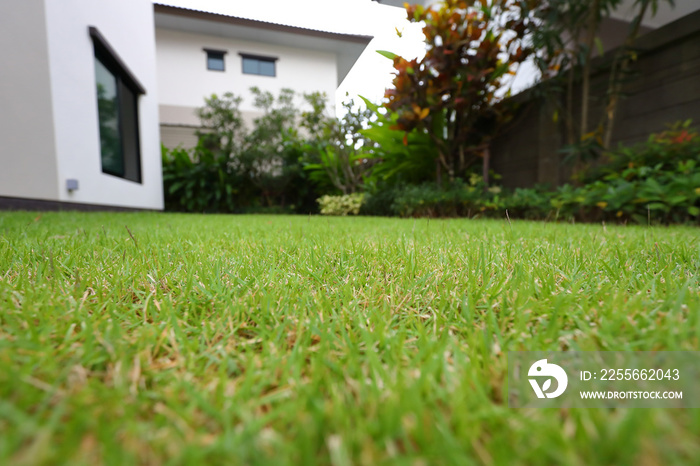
{"x": 694, "y": 211}
{"x": 657, "y": 206}
{"x": 370, "y": 105}
{"x": 679, "y": 199}
{"x": 599, "y": 46}
{"x": 386, "y": 54}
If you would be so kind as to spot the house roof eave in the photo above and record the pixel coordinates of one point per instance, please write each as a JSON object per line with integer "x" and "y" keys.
{"x": 346, "y": 47}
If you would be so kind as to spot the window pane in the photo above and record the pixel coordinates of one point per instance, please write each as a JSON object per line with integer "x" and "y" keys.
{"x": 267, "y": 68}
{"x": 250, "y": 66}
{"x": 117, "y": 92}
{"x": 108, "y": 112}
{"x": 215, "y": 61}
{"x": 130, "y": 133}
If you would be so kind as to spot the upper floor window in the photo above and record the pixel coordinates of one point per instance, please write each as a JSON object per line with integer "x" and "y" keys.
{"x": 215, "y": 60}
{"x": 255, "y": 64}
{"x": 117, "y": 108}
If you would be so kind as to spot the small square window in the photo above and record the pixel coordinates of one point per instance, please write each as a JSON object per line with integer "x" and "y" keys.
{"x": 267, "y": 68}
{"x": 250, "y": 66}
{"x": 263, "y": 66}
{"x": 215, "y": 60}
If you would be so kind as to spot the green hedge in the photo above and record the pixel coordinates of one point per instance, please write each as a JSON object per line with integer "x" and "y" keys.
{"x": 656, "y": 181}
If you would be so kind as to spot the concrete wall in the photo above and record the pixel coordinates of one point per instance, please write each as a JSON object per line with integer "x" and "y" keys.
{"x": 184, "y": 80}
{"x": 129, "y": 28}
{"x": 28, "y": 165}
{"x": 665, "y": 89}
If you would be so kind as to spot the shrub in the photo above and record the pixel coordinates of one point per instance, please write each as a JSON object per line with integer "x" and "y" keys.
{"x": 347, "y": 204}
{"x": 460, "y": 199}
{"x": 656, "y": 181}
{"x": 338, "y": 152}
{"x": 379, "y": 199}
{"x": 197, "y": 181}
{"x": 529, "y": 203}
{"x": 471, "y": 49}
{"x": 665, "y": 150}
{"x": 399, "y": 157}
{"x": 233, "y": 169}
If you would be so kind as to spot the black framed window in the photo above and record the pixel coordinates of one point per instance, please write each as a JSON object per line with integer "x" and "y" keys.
{"x": 215, "y": 60}
{"x": 117, "y": 106}
{"x": 255, "y": 64}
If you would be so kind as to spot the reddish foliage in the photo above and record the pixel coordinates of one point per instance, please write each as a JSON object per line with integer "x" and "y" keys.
{"x": 472, "y": 46}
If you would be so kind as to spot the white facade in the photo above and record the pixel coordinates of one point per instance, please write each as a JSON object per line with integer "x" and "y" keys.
{"x": 305, "y": 61}
{"x": 184, "y": 80}
{"x": 49, "y": 131}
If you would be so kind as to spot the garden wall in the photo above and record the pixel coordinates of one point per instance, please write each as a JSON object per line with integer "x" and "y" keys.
{"x": 665, "y": 89}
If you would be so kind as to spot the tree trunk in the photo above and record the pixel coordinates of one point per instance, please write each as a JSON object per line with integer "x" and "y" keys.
{"x": 592, "y": 28}
{"x": 440, "y": 162}
{"x": 615, "y": 86}
{"x": 570, "y": 131}
{"x": 486, "y": 151}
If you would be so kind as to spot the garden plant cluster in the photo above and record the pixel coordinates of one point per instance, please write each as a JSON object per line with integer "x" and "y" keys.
{"x": 425, "y": 151}
{"x": 655, "y": 181}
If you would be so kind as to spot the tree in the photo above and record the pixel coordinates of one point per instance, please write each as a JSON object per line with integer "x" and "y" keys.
{"x": 566, "y": 39}
{"x": 455, "y": 92}
{"x": 270, "y": 146}
{"x": 233, "y": 168}
{"x": 223, "y": 125}
{"x": 341, "y": 149}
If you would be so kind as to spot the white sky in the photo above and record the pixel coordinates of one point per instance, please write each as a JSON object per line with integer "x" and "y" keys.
{"x": 371, "y": 75}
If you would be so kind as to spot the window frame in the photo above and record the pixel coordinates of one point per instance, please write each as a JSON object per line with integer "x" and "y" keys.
{"x": 209, "y": 52}
{"x": 125, "y": 79}
{"x": 259, "y": 58}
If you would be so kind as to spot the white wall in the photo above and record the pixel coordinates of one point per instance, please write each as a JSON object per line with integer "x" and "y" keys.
{"x": 128, "y": 27}
{"x": 27, "y": 156}
{"x": 184, "y": 81}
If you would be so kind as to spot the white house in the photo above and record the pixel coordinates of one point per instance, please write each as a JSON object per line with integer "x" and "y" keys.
{"x": 78, "y": 104}
{"x": 82, "y": 82}
{"x": 200, "y": 53}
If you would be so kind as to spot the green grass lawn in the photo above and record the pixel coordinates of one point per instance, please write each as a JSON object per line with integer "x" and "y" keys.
{"x": 185, "y": 339}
